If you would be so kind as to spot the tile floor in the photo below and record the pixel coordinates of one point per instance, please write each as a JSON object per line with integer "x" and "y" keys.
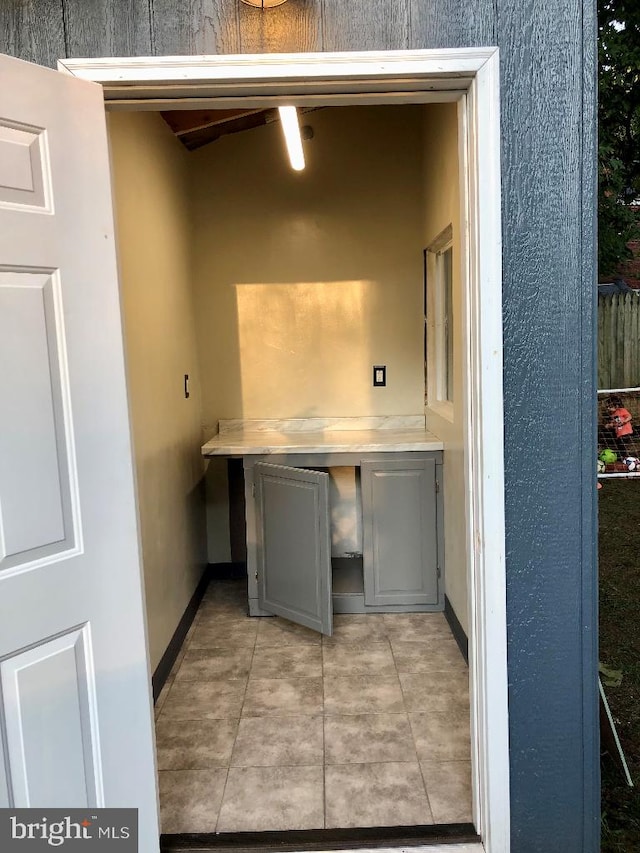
{"x": 264, "y": 725}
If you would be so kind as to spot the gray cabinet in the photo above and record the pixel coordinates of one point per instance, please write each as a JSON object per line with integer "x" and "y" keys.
{"x": 288, "y": 536}
{"x": 293, "y": 547}
{"x": 400, "y": 558}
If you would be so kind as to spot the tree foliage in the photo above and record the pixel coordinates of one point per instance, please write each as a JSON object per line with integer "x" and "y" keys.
{"x": 619, "y": 130}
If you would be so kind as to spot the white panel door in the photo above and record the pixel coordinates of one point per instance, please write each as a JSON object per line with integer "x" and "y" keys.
{"x": 75, "y": 707}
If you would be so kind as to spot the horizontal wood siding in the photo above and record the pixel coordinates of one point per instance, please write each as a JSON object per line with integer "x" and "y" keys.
{"x": 45, "y": 30}
{"x": 113, "y": 27}
{"x": 33, "y": 30}
{"x": 291, "y": 28}
{"x": 451, "y": 23}
{"x": 366, "y": 24}
{"x": 548, "y": 125}
{"x": 191, "y": 27}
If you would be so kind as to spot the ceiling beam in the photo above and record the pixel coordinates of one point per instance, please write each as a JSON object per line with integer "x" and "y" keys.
{"x": 186, "y": 121}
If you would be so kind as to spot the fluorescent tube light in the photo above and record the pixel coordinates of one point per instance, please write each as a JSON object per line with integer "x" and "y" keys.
{"x": 291, "y": 130}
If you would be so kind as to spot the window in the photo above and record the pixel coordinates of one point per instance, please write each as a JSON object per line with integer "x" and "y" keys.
{"x": 439, "y": 342}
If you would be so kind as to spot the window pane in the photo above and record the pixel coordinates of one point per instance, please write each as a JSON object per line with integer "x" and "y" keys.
{"x": 447, "y": 286}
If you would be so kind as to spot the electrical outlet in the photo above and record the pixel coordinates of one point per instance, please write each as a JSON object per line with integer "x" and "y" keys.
{"x": 379, "y": 375}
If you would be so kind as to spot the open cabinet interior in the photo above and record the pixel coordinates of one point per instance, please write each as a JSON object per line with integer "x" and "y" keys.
{"x": 254, "y": 293}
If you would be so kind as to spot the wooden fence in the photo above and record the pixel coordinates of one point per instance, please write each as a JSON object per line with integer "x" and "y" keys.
{"x": 619, "y": 341}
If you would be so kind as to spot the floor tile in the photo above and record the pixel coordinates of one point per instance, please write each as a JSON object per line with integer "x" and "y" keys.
{"x": 366, "y": 738}
{"x": 390, "y": 794}
{"x": 278, "y": 741}
{"x": 190, "y": 799}
{"x": 416, "y": 627}
{"x": 194, "y": 744}
{"x": 192, "y": 628}
{"x": 224, "y": 590}
{"x": 357, "y": 629}
{"x": 182, "y": 652}
{"x": 204, "y": 700}
{"x": 429, "y": 621}
{"x": 441, "y": 735}
{"x": 281, "y": 632}
{"x": 448, "y": 785}
{"x": 283, "y": 697}
{"x": 219, "y": 663}
{"x": 251, "y": 693}
{"x": 225, "y": 602}
{"x": 301, "y": 661}
{"x": 435, "y": 691}
{"x": 438, "y": 655}
{"x": 272, "y": 798}
{"x": 363, "y": 694}
{"x": 345, "y": 659}
{"x": 210, "y": 635}
{"x": 162, "y": 698}
{"x": 224, "y": 612}
{"x": 180, "y": 656}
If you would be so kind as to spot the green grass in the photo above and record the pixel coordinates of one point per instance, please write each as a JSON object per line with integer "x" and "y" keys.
{"x": 619, "y": 562}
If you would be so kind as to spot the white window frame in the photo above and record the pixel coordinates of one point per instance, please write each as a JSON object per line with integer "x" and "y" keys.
{"x": 439, "y": 362}
{"x": 470, "y": 77}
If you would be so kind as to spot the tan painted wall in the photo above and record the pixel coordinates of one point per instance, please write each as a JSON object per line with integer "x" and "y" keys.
{"x": 153, "y": 222}
{"x": 441, "y": 182}
{"x": 315, "y": 277}
{"x": 304, "y": 281}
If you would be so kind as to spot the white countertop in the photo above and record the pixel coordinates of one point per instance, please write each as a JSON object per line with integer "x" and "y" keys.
{"x": 246, "y": 443}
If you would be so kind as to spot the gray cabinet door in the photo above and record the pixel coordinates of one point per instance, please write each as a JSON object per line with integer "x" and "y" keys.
{"x": 294, "y": 552}
{"x": 400, "y": 536}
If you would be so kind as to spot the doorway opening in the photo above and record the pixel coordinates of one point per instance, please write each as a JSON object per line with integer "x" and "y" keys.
{"x": 478, "y": 315}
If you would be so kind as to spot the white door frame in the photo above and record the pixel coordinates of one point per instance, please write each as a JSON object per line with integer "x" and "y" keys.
{"x": 469, "y": 76}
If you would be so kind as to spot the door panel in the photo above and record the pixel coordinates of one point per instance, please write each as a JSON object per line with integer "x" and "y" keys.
{"x": 75, "y": 704}
{"x": 43, "y": 737}
{"x": 25, "y": 176}
{"x": 34, "y": 468}
{"x": 294, "y": 551}
{"x": 399, "y": 530}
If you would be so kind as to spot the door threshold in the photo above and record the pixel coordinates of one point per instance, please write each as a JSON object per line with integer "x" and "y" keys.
{"x": 322, "y": 839}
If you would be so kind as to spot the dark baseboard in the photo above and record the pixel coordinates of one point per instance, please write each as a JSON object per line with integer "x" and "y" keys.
{"x": 227, "y": 571}
{"x": 163, "y": 669}
{"x": 320, "y": 839}
{"x": 456, "y": 629}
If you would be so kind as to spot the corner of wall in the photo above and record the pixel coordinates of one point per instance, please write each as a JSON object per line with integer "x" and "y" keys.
{"x": 441, "y": 206}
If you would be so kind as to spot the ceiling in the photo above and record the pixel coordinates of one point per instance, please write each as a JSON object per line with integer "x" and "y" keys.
{"x": 195, "y": 128}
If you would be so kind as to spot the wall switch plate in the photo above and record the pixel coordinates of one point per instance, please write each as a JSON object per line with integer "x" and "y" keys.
{"x": 186, "y": 386}
{"x": 379, "y": 375}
